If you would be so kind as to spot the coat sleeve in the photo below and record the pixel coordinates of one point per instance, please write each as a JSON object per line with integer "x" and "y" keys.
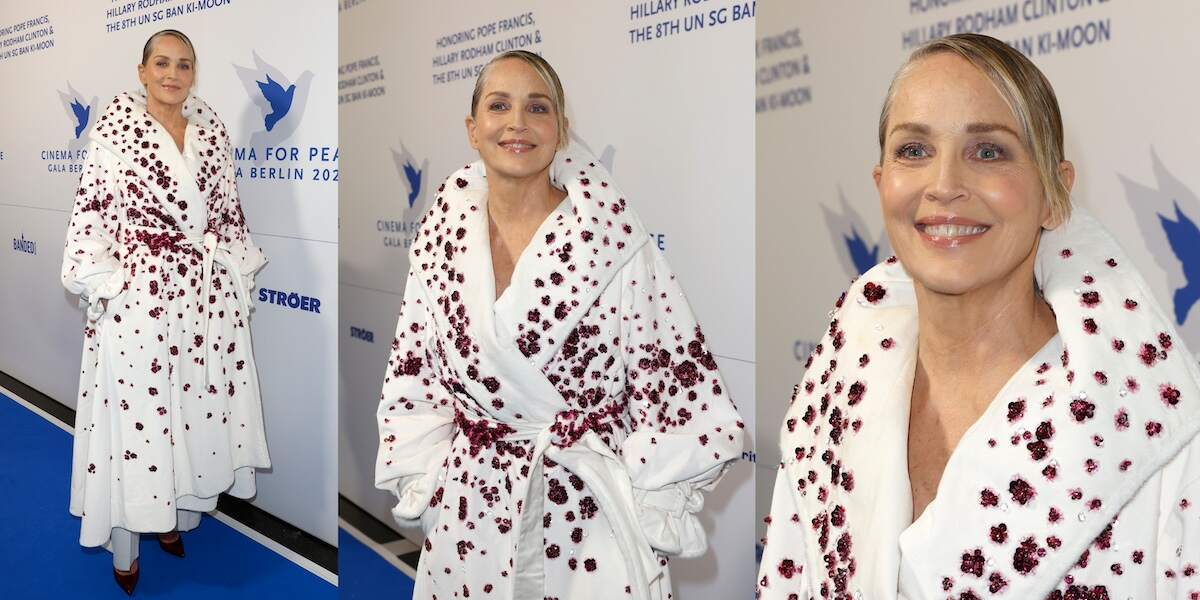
{"x": 686, "y": 430}
{"x": 231, "y": 224}
{"x": 781, "y": 573}
{"x": 92, "y": 257}
{"x": 416, "y": 413}
{"x": 1178, "y": 564}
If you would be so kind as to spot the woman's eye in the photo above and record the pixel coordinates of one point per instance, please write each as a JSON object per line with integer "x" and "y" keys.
{"x": 911, "y": 151}
{"x": 989, "y": 152}
{"x": 497, "y": 106}
{"x": 185, "y": 67}
{"x": 538, "y": 108}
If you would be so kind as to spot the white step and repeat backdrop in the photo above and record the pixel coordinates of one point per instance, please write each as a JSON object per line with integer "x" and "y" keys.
{"x": 57, "y": 53}
{"x": 1123, "y": 72}
{"x": 660, "y": 91}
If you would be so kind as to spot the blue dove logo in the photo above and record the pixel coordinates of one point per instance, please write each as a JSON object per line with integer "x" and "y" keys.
{"x": 1170, "y": 234}
{"x": 1184, "y": 238}
{"x": 413, "y": 175}
{"x": 862, "y": 258}
{"x": 856, "y": 253}
{"x": 78, "y": 110}
{"x": 83, "y": 114}
{"x": 279, "y": 99}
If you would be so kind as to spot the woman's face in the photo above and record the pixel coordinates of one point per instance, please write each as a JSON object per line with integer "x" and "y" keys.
{"x": 515, "y": 127}
{"x": 962, "y": 201}
{"x": 168, "y": 73}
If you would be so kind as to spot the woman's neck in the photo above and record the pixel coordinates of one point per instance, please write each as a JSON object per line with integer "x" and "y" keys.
{"x": 169, "y": 115}
{"x": 513, "y": 200}
{"x": 1000, "y": 324}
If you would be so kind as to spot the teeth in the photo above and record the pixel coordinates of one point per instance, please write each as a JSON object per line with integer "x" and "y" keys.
{"x": 949, "y": 230}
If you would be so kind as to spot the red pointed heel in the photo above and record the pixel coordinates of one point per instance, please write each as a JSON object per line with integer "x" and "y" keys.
{"x": 174, "y": 546}
{"x": 127, "y": 580}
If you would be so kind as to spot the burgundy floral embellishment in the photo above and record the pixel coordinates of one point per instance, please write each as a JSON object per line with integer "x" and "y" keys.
{"x": 1149, "y": 354}
{"x": 1025, "y": 558}
{"x": 855, "y": 393}
{"x": 873, "y": 292}
{"x": 1016, "y": 410}
{"x": 1021, "y": 491}
{"x": 787, "y": 568}
{"x": 988, "y": 498}
{"x": 972, "y": 562}
{"x": 460, "y": 182}
{"x": 1169, "y": 394}
{"x": 1082, "y": 410}
{"x": 999, "y": 533}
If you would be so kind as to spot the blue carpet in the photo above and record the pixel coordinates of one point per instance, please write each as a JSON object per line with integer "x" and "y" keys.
{"x": 363, "y": 575}
{"x": 39, "y": 539}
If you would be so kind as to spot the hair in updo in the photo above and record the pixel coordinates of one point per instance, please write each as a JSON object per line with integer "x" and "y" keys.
{"x": 175, "y": 33}
{"x": 1028, "y": 94}
{"x": 549, "y": 77}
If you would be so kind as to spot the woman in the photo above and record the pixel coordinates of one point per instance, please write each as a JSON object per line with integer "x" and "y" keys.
{"x": 169, "y": 414}
{"x": 551, "y": 414}
{"x": 1004, "y": 410}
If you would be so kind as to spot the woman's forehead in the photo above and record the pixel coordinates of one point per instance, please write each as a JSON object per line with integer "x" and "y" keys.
{"x": 514, "y": 75}
{"x": 947, "y": 88}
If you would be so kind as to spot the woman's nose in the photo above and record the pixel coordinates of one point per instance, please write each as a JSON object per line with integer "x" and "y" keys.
{"x": 516, "y": 121}
{"x": 946, "y": 180}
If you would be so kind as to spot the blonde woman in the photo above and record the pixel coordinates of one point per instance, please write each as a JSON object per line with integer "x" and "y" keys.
{"x": 1002, "y": 410}
{"x": 169, "y": 412}
{"x": 551, "y": 415}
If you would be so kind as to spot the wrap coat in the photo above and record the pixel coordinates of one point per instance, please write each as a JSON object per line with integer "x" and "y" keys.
{"x": 169, "y": 412}
{"x": 556, "y": 441}
{"x": 1079, "y": 481}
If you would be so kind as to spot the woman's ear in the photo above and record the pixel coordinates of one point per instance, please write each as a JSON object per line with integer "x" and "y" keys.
{"x": 1066, "y": 173}
{"x": 1066, "y": 176}
{"x": 471, "y": 139}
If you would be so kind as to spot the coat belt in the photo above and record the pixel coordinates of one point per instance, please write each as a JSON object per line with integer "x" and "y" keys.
{"x": 212, "y": 252}
{"x": 589, "y": 458}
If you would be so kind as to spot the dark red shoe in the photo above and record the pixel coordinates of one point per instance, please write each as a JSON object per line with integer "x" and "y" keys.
{"x": 174, "y": 546}
{"x": 127, "y": 580}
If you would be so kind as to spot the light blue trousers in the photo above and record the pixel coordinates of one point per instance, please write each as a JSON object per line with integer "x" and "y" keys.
{"x": 125, "y": 542}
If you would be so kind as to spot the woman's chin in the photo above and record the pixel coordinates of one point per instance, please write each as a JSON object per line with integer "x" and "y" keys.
{"x": 515, "y": 167}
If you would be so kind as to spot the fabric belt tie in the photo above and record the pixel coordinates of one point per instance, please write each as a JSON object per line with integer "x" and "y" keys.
{"x": 212, "y": 252}
{"x": 590, "y": 459}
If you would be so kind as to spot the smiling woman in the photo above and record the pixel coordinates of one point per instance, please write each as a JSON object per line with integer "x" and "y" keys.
{"x": 169, "y": 414}
{"x": 551, "y": 414}
{"x": 1015, "y": 388}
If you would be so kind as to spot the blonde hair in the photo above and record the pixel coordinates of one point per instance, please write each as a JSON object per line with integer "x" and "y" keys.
{"x": 1024, "y": 89}
{"x": 175, "y": 33}
{"x": 549, "y": 77}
